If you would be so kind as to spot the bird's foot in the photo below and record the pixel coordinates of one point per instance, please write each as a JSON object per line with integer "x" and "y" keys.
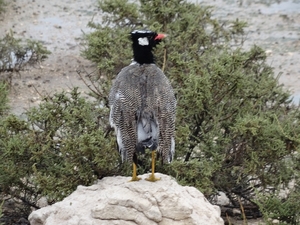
{"x": 135, "y": 178}
{"x": 152, "y": 178}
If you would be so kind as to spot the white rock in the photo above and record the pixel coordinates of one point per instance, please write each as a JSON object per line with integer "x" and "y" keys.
{"x": 222, "y": 199}
{"x": 115, "y": 201}
{"x": 42, "y": 202}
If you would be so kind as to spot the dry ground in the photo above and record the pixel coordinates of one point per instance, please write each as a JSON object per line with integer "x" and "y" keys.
{"x": 59, "y": 26}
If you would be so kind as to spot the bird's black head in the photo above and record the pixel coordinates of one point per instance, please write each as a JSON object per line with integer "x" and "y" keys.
{"x": 143, "y": 41}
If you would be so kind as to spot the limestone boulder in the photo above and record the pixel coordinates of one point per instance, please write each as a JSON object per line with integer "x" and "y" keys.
{"x": 115, "y": 201}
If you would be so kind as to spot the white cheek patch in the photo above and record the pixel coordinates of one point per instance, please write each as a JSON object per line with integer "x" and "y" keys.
{"x": 143, "y": 41}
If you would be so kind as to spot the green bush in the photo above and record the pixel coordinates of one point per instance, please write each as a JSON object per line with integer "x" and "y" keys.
{"x": 61, "y": 144}
{"x": 236, "y": 129}
{"x": 286, "y": 209}
{"x": 16, "y": 53}
{"x": 3, "y": 98}
{"x": 235, "y": 124}
{"x": 61, "y": 140}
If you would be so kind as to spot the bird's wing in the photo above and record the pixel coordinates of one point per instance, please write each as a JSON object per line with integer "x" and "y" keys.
{"x": 163, "y": 104}
{"x": 143, "y": 106}
{"x": 123, "y": 101}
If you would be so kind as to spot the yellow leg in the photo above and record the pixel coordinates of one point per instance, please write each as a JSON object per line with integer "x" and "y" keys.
{"x": 134, "y": 176}
{"x": 152, "y": 178}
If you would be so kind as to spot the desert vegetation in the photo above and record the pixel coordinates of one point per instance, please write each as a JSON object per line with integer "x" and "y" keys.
{"x": 236, "y": 129}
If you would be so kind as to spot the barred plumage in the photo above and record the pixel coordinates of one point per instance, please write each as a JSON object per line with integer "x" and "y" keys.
{"x": 142, "y": 104}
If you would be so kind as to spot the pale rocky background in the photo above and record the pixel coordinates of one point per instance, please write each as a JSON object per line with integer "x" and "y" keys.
{"x": 273, "y": 25}
{"x": 116, "y": 201}
{"x": 59, "y": 24}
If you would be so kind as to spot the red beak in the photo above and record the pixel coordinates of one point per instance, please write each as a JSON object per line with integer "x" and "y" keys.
{"x": 160, "y": 36}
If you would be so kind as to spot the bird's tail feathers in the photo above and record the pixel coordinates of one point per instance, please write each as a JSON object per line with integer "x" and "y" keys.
{"x": 147, "y": 132}
{"x": 147, "y": 143}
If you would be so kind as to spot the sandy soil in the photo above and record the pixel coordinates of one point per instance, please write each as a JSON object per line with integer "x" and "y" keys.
{"x": 274, "y": 25}
{"x": 58, "y": 24}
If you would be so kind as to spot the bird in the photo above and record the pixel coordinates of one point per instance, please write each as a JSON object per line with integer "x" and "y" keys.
{"x": 143, "y": 105}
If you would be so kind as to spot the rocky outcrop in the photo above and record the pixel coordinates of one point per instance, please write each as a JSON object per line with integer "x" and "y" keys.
{"x": 114, "y": 200}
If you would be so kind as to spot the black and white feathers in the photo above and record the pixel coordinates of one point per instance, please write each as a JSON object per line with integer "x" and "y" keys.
{"x": 142, "y": 103}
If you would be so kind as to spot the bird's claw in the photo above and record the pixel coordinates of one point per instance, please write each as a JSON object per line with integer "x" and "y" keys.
{"x": 152, "y": 178}
{"x": 135, "y": 178}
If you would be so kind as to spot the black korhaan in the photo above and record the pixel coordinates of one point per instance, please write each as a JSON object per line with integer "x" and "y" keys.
{"x": 142, "y": 105}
